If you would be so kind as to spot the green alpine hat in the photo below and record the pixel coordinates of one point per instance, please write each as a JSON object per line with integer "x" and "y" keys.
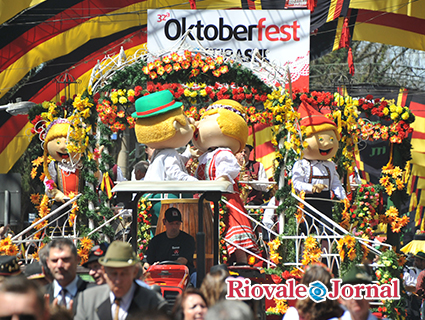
{"x": 420, "y": 255}
{"x": 154, "y": 104}
{"x": 119, "y": 255}
{"x": 357, "y": 275}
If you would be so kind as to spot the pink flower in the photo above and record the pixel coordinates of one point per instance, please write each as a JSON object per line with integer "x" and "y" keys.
{"x": 50, "y": 184}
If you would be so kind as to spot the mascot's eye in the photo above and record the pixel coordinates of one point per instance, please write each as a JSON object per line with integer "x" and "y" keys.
{"x": 321, "y": 139}
{"x": 58, "y": 142}
{"x": 331, "y": 139}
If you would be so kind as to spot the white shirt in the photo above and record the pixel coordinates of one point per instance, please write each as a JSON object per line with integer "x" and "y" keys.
{"x": 166, "y": 165}
{"x": 71, "y": 291}
{"x": 124, "y": 303}
{"x": 262, "y": 176}
{"x": 301, "y": 174}
{"x": 226, "y": 164}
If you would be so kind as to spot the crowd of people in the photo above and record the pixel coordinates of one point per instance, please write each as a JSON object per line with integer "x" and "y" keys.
{"x": 52, "y": 288}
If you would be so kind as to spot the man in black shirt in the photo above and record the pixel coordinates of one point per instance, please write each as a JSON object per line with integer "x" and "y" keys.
{"x": 173, "y": 244}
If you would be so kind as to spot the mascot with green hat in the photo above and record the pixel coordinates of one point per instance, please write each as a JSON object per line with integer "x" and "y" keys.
{"x": 315, "y": 173}
{"x": 162, "y": 125}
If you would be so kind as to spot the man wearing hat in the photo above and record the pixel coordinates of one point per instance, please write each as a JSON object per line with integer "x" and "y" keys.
{"x": 121, "y": 297}
{"x": 252, "y": 171}
{"x": 162, "y": 125}
{"x": 95, "y": 268}
{"x": 359, "y": 308}
{"x": 173, "y": 244}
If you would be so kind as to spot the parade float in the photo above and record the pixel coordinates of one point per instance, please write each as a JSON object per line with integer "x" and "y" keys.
{"x": 197, "y": 79}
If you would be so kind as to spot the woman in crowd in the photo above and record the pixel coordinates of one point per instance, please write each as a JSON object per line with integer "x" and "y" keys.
{"x": 190, "y": 305}
{"x": 214, "y": 286}
{"x": 308, "y": 309}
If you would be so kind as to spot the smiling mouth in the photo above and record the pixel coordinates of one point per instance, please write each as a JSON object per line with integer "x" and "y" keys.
{"x": 63, "y": 155}
{"x": 196, "y": 134}
{"x": 325, "y": 152}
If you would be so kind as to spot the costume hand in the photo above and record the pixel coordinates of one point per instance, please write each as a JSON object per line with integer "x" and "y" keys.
{"x": 245, "y": 177}
{"x": 317, "y": 188}
{"x": 195, "y": 153}
{"x": 222, "y": 178}
{"x": 58, "y": 195}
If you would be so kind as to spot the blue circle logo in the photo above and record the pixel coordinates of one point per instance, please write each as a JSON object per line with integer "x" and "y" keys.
{"x": 317, "y": 291}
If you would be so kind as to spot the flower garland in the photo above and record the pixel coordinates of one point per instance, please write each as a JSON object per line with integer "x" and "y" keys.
{"x": 391, "y": 267}
{"x": 363, "y": 215}
{"x": 83, "y": 249}
{"x": 392, "y": 179}
{"x": 391, "y": 217}
{"x": 7, "y": 247}
{"x": 144, "y": 208}
{"x": 279, "y": 309}
{"x": 312, "y": 253}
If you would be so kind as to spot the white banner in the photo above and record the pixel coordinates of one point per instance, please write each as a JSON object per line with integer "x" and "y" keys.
{"x": 281, "y": 36}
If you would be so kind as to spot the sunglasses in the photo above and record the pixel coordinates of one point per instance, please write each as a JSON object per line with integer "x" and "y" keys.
{"x": 19, "y": 316}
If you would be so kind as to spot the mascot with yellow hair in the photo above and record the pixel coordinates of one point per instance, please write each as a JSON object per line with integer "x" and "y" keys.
{"x": 162, "y": 125}
{"x": 220, "y": 134}
{"x": 315, "y": 173}
{"x": 62, "y": 175}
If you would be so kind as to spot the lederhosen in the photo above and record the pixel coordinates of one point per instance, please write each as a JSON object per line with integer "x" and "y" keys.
{"x": 323, "y": 206}
{"x": 66, "y": 182}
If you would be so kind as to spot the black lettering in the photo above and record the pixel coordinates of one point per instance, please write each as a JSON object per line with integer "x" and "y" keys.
{"x": 215, "y": 32}
{"x": 223, "y": 26}
{"x": 169, "y": 23}
{"x": 184, "y": 28}
{"x": 199, "y": 27}
{"x": 236, "y": 32}
{"x": 248, "y": 53}
{"x": 250, "y": 28}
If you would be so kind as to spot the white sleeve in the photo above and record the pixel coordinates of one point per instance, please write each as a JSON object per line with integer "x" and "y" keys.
{"x": 261, "y": 177}
{"x": 173, "y": 167}
{"x": 298, "y": 175}
{"x": 186, "y": 155}
{"x": 268, "y": 213}
{"x": 120, "y": 176}
{"x": 52, "y": 170}
{"x": 291, "y": 314}
{"x": 226, "y": 165}
{"x": 336, "y": 185}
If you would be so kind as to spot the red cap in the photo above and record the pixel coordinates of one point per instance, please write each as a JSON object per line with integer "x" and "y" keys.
{"x": 314, "y": 121}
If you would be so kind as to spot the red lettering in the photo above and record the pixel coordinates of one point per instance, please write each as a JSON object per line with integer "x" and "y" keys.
{"x": 334, "y": 294}
{"x": 295, "y": 26}
{"x": 372, "y": 291}
{"x": 235, "y": 289}
{"x": 269, "y": 288}
{"x": 286, "y": 33}
{"x": 260, "y": 28}
{"x": 301, "y": 291}
{"x": 271, "y": 30}
{"x": 396, "y": 292}
{"x": 347, "y": 291}
{"x": 357, "y": 291}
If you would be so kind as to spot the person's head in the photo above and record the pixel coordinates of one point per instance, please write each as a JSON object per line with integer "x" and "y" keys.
{"x": 63, "y": 260}
{"x": 43, "y": 255}
{"x": 161, "y": 122}
{"x": 419, "y": 260}
{"x": 172, "y": 222}
{"x": 20, "y": 296}
{"x": 358, "y": 308}
{"x": 230, "y": 310}
{"x": 120, "y": 265}
{"x": 140, "y": 169}
{"x": 310, "y": 309}
{"x": 222, "y": 125}
{"x": 246, "y": 152}
{"x": 34, "y": 272}
{"x": 95, "y": 268}
{"x": 214, "y": 286}
{"x": 321, "y": 134}
{"x": 190, "y": 305}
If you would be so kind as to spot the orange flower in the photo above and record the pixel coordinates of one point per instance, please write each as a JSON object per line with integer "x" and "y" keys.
{"x": 310, "y": 243}
{"x": 35, "y": 198}
{"x": 86, "y": 243}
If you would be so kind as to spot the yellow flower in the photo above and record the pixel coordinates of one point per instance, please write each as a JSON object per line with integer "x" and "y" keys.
{"x": 405, "y": 116}
{"x": 310, "y": 243}
{"x": 122, "y": 100}
{"x": 35, "y": 198}
{"x": 399, "y": 109}
{"x": 86, "y": 243}
{"x": 85, "y": 113}
{"x": 394, "y": 116}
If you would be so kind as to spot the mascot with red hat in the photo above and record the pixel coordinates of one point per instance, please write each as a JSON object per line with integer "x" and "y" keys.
{"x": 315, "y": 173}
